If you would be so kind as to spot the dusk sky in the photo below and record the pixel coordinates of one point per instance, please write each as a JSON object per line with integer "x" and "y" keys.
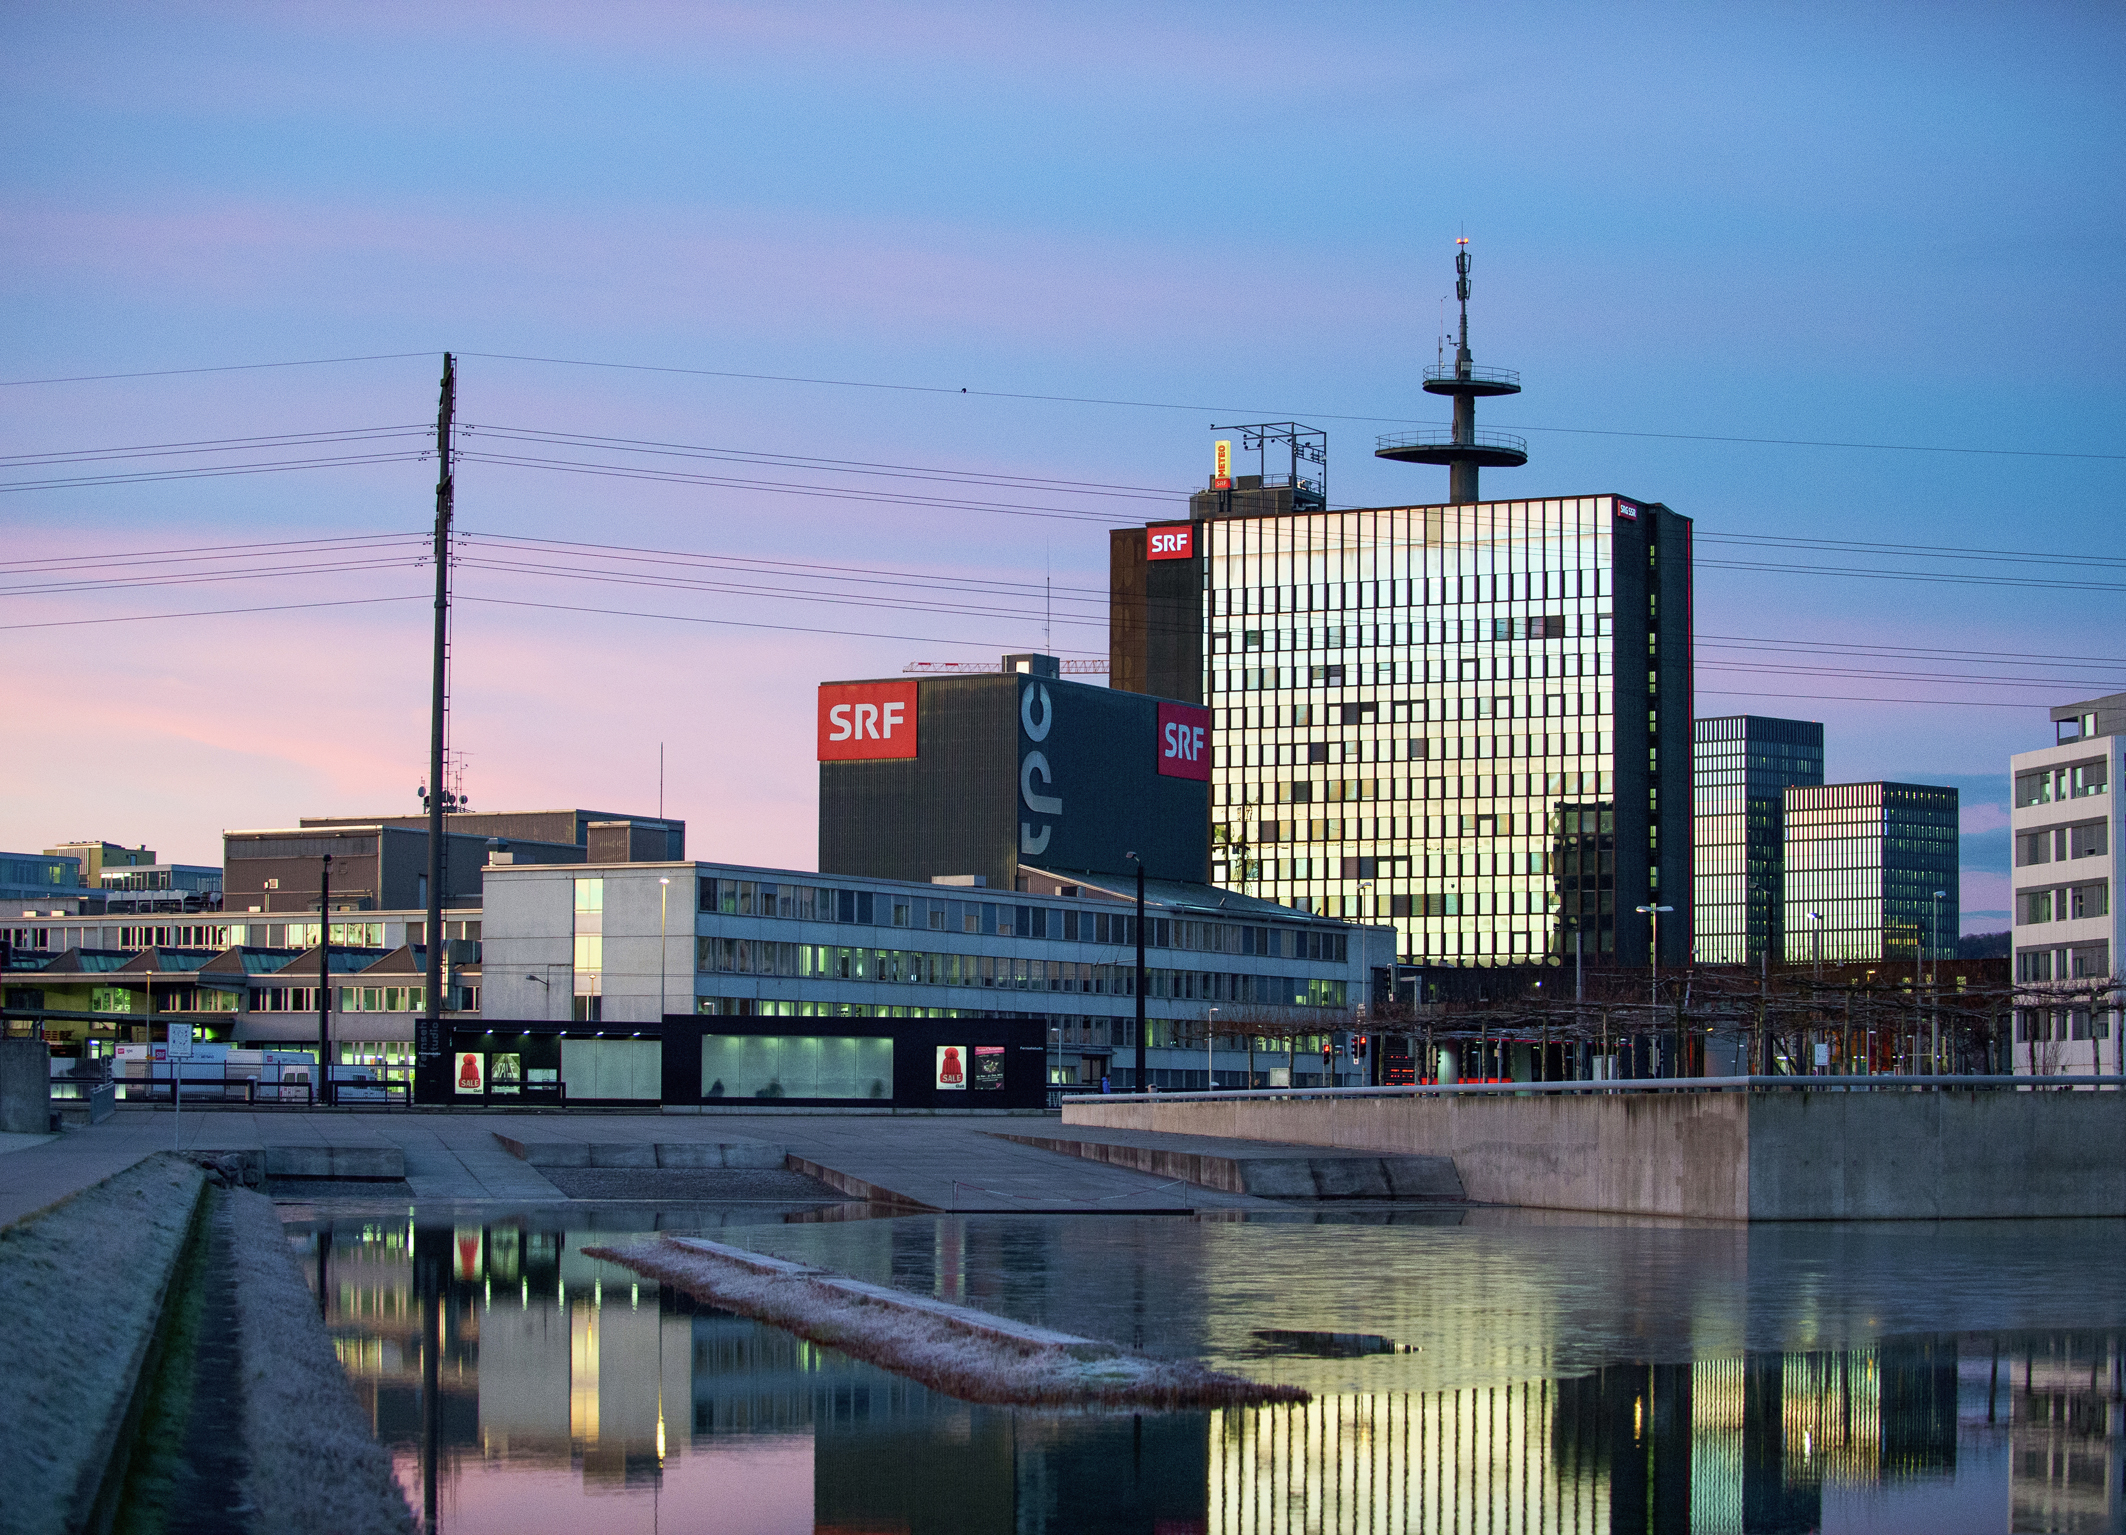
{"x": 1896, "y": 228}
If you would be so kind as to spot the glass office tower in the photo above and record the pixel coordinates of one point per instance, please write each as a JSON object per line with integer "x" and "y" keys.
{"x": 1863, "y": 863}
{"x": 1743, "y": 763}
{"x": 1470, "y": 721}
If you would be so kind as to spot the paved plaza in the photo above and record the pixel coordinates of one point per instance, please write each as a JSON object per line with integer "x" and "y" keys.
{"x": 946, "y": 1161}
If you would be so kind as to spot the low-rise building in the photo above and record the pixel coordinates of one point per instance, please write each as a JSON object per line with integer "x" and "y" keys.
{"x": 718, "y": 982}
{"x": 40, "y": 884}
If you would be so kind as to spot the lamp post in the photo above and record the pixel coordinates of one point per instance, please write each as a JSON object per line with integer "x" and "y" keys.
{"x": 1816, "y": 937}
{"x": 1653, "y": 953}
{"x": 664, "y": 952}
{"x": 1934, "y": 1037}
{"x": 324, "y": 980}
{"x": 1210, "y": 1044}
{"x": 1143, "y": 1083}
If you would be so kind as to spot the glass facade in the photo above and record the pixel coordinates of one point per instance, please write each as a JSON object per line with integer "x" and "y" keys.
{"x": 1866, "y": 859}
{"x": 1458, "y": 719}
{"x": 1742, "y": 764}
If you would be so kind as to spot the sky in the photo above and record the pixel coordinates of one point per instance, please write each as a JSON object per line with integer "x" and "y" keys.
{"x": 801, "y": 231}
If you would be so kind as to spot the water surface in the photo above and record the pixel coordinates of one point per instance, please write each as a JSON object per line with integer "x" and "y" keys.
{"x": 1488, "y": 1372}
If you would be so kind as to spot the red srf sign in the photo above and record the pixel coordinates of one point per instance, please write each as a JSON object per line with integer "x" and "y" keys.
{"x": 860, "y": 721}
{"x": 1170, "y": 541}
{"x": 1184, "y": 741}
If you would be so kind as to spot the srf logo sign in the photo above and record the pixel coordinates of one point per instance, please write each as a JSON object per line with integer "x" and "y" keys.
{"x": 863, "y": 721}
{"x": 1172, "y": 541}
{"x": 1184, "y": 741}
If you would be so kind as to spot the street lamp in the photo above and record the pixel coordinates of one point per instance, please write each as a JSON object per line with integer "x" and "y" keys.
{"x": 1210, "y": 1043}
{"x": 1143, "y": 1082}
{"x": 1816, "y": 933}
{"x": 1654, "y": 951}
{"x": 664, "y": 952}
{"x": 1934, "y": 1038}
{"x": 1653, "y": 975}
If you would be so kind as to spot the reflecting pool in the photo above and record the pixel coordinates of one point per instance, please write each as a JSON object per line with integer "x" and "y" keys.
{"x": 1479, "y": 1371}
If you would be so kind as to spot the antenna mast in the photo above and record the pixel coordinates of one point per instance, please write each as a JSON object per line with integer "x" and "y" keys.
{"x": 1462, "y": 448}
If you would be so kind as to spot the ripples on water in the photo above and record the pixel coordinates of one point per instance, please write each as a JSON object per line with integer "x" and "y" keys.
{"x": 1503, "y": 1372}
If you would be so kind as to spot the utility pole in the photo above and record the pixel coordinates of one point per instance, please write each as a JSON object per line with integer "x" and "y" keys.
{"x": 324, "y": 981}
{"x": 1143, "y": 1070}
{"x": 430, "y": 1085}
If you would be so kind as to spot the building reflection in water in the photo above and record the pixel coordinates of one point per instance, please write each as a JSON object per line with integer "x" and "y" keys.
{"x": 489, "y": 1355}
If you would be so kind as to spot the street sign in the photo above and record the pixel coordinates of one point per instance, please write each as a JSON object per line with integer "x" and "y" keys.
{"x": 180, "y": 1042}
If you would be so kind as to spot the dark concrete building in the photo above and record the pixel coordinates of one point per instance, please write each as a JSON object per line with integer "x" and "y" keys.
{"x": 997, "y": 779}
{"x": 381, "y": 862}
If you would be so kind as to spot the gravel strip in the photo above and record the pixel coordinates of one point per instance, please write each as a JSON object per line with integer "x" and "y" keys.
{"x": 702, "y": 1185}
{"x": 313, "y": 1465}
{"x": 79, "y": 1284}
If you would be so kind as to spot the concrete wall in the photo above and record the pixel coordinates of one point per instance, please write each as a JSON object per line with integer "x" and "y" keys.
{"x": 1722, "y": 1156}
{"x": 25, "y": 1087}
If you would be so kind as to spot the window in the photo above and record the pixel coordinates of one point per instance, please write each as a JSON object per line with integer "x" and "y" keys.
{"x": 2090, "y": 840}
{"x": 2033, "y": 906}
{"x": 2032, "y": 847}
{"x": 590, "y": 895}
{"x": 2091, "y": 900}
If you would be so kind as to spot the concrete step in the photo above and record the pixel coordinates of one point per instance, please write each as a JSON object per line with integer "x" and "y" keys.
{"x": 1266, "y": 1170}
{"x": 689, "y": 1154}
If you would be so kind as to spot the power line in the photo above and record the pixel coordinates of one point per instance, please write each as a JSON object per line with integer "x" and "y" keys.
{"x": 203, "y": 550}
{"x": 737, "y": 623}
{"x": 141, "y": 618}
{"x": 233, "y": 367}
{"x": 1067, "y": 399}
{"x": 1844, "y": 698}
{"x": 218, "y": 472}
{"x": 207, "y": 445}
{"x": 807, "y": 461}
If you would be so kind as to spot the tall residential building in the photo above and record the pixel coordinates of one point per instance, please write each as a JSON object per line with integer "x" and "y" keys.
{"x": 1743, "y": 764}
{"x": 1871, "y": 872}
{"x": 2067, "y": 925}
{"x": 1472, "y": 721}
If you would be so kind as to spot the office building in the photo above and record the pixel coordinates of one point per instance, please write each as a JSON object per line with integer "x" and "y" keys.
{"x": 98, "y": 856}
{"x": 708, "y": 983}
{"x": 2067, "y": 936}
{"x": 992, "y": 779}
{"x": 381, "y": 862}
{"x": 1742, "y": 765}
{"x": 42, "y": 884}
{"x": 1871, "y": 873}
{"x": 1470, "y": 721}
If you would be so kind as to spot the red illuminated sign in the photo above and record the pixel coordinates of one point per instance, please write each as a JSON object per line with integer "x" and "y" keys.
{"x": 1184, "y": 741}
{"x": 864, "y": 721}
{"x": 1173, "y": 541}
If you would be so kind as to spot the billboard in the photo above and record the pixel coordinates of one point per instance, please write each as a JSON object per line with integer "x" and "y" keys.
{"x": 867, "y": 721}
{"x": 1184, "y": 741}
{"x": 1170, "y": 541}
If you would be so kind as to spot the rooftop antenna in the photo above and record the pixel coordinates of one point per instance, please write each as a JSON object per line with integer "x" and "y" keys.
{"x": 1461, "y": 448}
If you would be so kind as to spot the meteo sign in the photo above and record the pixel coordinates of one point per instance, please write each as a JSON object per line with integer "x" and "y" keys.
{"x": 1170, "y": 541}
{"x": 1184, "y": 741}
{"x": 865, "y": 721}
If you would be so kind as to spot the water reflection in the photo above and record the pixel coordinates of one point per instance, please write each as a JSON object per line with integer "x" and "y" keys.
{"x": 526, "y": 1387}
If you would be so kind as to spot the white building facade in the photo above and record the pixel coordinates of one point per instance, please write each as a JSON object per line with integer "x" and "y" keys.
{"x": 2067, "y": 936}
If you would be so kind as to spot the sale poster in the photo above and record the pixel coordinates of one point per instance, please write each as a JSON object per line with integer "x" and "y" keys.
{"x": 472, "y": 1073}
{"x": 952, "y": 1068}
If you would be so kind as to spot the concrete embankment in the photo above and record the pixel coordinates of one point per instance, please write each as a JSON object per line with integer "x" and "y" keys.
{"x": 1260, "y": 1168}
{"x": 163, "y": 1352}
{"x": 84, "y": 1286}
{"x": 1772, "y": 1155}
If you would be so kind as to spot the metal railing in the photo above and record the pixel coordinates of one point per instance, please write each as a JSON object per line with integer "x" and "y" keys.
{"x": 1443, "y": 437}
{"x": 1444, "y": 373}
{"x": 1641, "y": 1085}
